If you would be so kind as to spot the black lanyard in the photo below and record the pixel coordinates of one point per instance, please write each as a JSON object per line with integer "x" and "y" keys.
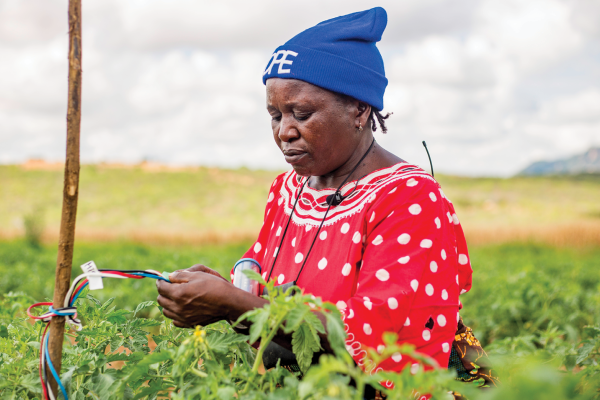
{"x": 336, "y": 199}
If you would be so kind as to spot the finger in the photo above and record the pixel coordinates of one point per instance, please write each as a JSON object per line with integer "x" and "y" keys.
{"x": 181, "y": 276}
{"x": 173, "y": 316}
{"x": 167, "y": 290}
{"x": 167, "y": 303}
{"x": 205, "y": 269}
{"x": 180, "y": 324}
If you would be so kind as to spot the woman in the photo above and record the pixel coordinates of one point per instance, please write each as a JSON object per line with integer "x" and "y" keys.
{"x": 352, "y": 223}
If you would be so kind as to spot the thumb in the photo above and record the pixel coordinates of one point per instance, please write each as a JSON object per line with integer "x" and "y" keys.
{"x": 180, "y": 276}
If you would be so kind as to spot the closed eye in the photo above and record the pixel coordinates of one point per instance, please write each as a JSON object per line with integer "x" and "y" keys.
{"x": 302, "y": 117}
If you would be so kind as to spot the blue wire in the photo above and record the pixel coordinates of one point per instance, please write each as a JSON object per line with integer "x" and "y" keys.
{"x": 160, "y": 278}
{"x": 62, "y": 314}
{"x": 78, "y": 293}
{"x": 56, "y": 377}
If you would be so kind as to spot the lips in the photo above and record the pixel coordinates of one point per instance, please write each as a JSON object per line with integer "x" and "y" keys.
{"x": 293, "y": 156}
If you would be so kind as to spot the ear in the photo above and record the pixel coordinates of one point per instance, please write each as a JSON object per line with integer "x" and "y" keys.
{"x": 363, "y": 111}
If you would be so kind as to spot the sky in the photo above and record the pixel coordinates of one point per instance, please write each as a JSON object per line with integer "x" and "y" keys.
{"x": 491, "y": 85}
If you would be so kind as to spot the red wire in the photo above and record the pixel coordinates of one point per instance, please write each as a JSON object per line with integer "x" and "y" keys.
{"x": 124, "y": 274}
{"x": 77, "y": 291}
{"x": 40, "y": 370}
{"x": 36, "y": 305}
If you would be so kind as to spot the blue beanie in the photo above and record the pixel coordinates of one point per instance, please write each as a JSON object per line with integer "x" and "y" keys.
{"x": 339, "y": 55}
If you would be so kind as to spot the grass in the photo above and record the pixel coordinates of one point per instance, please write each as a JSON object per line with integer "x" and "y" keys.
{"x": 199, "y": 205}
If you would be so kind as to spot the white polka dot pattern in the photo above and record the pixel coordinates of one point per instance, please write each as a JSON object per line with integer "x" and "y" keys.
{"x": 414, "y": 284}
{"x": 382, "y": 275}
{"x": 445, "y": 347}
{"x": 426, "y": 335}
{"x": 444, "y": 294}
{"x": 392, "y": 303}
{"x": 346, "y": 270}
{"x": 356, "y": 238}
{"x": 441, "y": 320}
{"x": 378, "y": 240}
{"x": 433, "y": 197}
{"x": 404, "y": 260}
{"x": 433, "y": 266}
{"x": 429, "y": 289}
{"x": 426, "y": 243}
{"x": 322, "y": 263}
{"x": 280, "y": 279}
{"x": 455, "y": 219}
{"x": 412, "y": 182}
{"x": 323, "y": 235}
{"x": 367, "y": 329}
{"x": 345, "y": 227}
{"x": 299, "y": 257}
{"x": 404, "y": 238}
{"x": 257, "y": 247}
{"x": 414, "y": 368}
{"x": 415, "y": 209}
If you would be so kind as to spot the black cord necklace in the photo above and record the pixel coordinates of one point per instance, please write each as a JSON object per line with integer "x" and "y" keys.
{"x": 334, "y": 199}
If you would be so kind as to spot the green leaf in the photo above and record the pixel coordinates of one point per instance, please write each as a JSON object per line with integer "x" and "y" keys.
{"x": 584, "y": 351}
{"x": 255, "y": 276}
{"x": 226, "y": 393}
{"x": 107, "y": 304}
{"x": 304, "y": 346}
{"x": 259, "y": 320}
{"x": 141, "y": 367}
{"x": 117, "y": 317}
{"x": 295, "y": 317}
{"x": 220, "y": 343}
{"x": 142, "y": 306}
{"x": 336, "y": 335}
{"x": 93, "y": 300}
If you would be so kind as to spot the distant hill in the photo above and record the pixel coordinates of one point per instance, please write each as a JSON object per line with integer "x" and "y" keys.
{"x": 586, "y": 163}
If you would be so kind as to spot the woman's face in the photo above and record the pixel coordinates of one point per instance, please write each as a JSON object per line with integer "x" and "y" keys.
{"x": 313, "y": 127}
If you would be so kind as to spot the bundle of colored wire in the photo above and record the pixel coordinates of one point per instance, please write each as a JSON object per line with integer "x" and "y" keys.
{"x": 70, "y": 312}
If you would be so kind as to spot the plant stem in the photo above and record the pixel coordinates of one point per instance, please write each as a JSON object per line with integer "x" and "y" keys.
{"x": 264, "y": 343}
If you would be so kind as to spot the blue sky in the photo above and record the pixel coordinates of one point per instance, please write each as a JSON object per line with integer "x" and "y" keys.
{"x": 492, "y": 85}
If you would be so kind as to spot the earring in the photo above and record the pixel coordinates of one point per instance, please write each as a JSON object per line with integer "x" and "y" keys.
{"x": 360, "y": 128}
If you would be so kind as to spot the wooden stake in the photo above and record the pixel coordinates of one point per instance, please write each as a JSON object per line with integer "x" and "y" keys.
{"x": 70, "y": 190}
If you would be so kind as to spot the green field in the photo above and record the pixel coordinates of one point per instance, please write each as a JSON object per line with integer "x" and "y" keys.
{"x": 534, "y": 245}
{"x": 209, "y": 205}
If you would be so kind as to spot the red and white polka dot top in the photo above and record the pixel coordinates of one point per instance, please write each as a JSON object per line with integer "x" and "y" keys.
{"x": 391, "y": 256}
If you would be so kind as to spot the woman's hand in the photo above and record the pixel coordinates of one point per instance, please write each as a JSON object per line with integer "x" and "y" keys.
{"x": 200, "y": 296}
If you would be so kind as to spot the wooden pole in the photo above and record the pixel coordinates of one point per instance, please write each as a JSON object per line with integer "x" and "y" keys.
{"x": 70, "y": 190}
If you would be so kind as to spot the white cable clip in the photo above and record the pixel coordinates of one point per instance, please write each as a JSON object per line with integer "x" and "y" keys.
{"x": 94, "y": 281}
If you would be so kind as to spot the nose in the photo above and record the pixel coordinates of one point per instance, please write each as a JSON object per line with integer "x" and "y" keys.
{"x": 288, "y": 131}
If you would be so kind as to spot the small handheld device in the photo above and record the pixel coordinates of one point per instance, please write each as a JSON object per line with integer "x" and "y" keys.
{"x": 240, "y": 280}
